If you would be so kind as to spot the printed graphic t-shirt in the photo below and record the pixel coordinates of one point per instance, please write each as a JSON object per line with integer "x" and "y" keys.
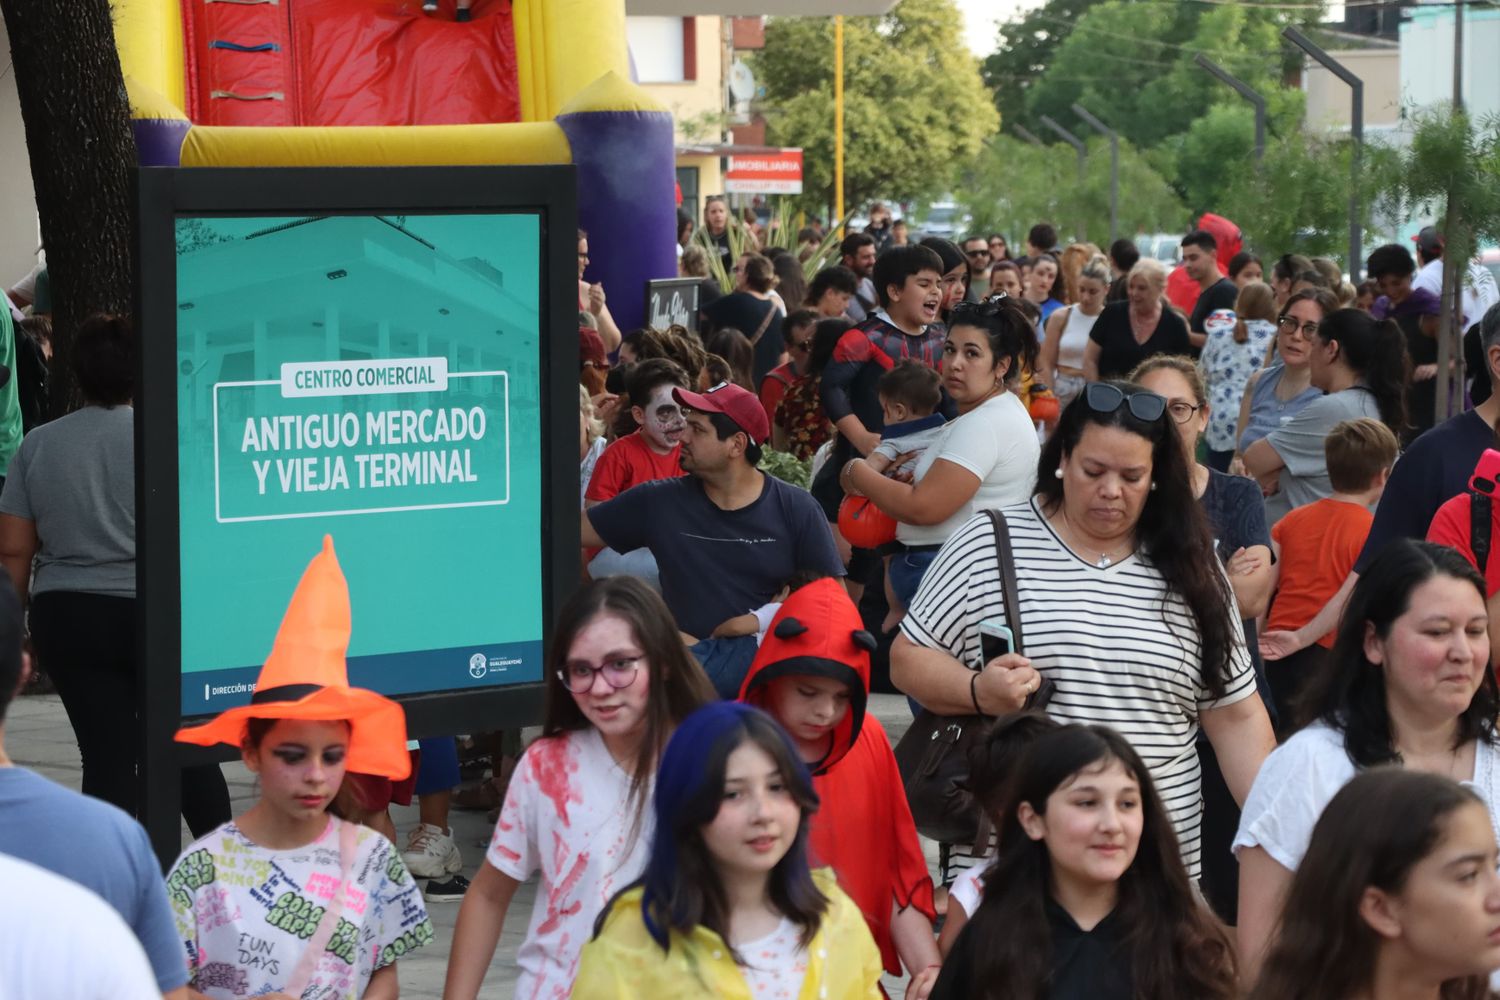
{"x": 567, "y": 813}
{"x": 245, "y": 913}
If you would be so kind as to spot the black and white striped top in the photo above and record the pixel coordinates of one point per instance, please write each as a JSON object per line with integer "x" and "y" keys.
{"x": 1122, "y": 650}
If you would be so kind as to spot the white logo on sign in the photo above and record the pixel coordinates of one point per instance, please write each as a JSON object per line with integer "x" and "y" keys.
{"x": 478, "y": 666}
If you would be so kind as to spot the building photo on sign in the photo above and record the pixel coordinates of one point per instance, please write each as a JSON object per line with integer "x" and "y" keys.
{"x": 376, "y": 379}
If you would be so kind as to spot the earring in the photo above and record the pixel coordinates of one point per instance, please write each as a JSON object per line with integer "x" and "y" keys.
{"x": 1153, "y": 486}
{"x": 1057, "y": 472}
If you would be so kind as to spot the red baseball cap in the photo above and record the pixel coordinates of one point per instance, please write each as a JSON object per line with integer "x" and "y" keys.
{"x": 735, "y": 402}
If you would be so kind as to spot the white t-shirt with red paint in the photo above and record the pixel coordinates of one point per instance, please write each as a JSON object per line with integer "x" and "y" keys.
{"x": 567, "y": 813}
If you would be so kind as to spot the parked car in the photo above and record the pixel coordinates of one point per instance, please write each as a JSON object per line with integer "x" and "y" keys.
{"x": 943, "y": 218}
{"x": 1165, "y": 247}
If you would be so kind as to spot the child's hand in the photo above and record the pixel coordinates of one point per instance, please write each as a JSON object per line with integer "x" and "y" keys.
{"x": 738, "y": 625}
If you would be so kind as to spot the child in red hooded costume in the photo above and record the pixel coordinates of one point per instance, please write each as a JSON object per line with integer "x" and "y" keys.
{"x": 812, "y": 673}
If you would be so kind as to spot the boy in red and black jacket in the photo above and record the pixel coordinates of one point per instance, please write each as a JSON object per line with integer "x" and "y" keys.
{"x": 907, "y": 279}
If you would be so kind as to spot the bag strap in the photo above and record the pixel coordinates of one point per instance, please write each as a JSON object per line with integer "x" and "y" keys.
{"x": 302, "y": 973}
{"x": 1479, "y": 528}
{"x": 1007, "y": 561}
{"x": 770, "y": 315}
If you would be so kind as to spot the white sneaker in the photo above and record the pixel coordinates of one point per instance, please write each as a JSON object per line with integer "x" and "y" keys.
{"x": 431, "y": 853}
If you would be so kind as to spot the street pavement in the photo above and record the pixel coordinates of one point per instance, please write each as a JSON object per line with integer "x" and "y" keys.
{"x": 38, "y": 736}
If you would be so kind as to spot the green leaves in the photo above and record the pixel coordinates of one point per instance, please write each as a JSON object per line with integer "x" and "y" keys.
{"x": 915, "y": 108}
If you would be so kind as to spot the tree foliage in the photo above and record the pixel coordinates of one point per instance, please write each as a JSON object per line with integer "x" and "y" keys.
{"x": 1014, "y": 185}
{"x": 915, "y": 108}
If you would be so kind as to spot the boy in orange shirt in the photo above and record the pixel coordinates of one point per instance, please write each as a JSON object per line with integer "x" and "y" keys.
{"x": 1315, "y": 548}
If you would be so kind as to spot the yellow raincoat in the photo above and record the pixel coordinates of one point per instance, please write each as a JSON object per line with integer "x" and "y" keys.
{"x": 624, "y": 963}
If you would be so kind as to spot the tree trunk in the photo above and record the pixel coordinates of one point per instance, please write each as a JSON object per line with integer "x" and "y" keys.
{"x": 82, "y": 151}
{"x": 1450, "y": 327}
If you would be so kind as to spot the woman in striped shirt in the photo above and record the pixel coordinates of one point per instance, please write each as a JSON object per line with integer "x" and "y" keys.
{"x": 1123, "y": 605}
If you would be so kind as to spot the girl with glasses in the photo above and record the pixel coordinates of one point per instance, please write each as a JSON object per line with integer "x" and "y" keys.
{"x": 1151, "y": 640}
{"x": 618, "y": 682}
{"x": 1278, "y": 392}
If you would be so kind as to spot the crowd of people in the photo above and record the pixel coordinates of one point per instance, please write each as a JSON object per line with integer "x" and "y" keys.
{"x": 1190, "y": 595}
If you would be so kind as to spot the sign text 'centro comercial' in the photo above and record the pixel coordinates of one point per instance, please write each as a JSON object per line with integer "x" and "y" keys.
{"x": 322, "y": 440}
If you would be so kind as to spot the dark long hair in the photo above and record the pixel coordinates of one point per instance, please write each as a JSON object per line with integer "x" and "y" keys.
{"x": 1173, "y": 531}
{"x": 825, "y": 338}
{"x": 682, "y": 888}
{"x": 1376, "y": 351}
{"x": 1349, "y": 693}
{"x": 1372, "y": 834}
{"x": 676, "y": 683}
{"x": 1177, "y": 951}
{"x": 1010, "y": 334}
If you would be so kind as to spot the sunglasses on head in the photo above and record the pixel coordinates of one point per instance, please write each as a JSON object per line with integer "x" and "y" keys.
{"x": 1104, "y": 397}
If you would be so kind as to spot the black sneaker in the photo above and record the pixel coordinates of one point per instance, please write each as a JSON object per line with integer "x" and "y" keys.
{"x": 449, "y": 890}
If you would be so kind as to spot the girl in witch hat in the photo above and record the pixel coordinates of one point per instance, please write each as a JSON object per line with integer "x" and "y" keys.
{"x": 288, "y": 900}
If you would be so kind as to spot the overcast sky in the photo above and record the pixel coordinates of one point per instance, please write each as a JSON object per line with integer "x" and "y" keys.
{"x": 980, "y": 17}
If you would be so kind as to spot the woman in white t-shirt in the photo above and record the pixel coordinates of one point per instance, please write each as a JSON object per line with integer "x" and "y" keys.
{"x": 619, "y": 680}
{"x": 1409, "y": 683}
{"x": 984, "y": 459}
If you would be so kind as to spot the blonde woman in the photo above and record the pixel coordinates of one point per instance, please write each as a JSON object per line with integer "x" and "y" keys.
{"x": 1067, "y": 338}
{"x": 591, "y": 441}
{"x": 1127, "y": 333}
{"x": 1070, "y": 264}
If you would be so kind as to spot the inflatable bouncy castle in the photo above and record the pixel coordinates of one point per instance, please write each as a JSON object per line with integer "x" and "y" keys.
{"x": 300, "y": 83}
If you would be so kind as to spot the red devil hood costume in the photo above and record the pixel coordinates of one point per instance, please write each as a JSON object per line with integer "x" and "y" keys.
{"x": 863, "y": 829}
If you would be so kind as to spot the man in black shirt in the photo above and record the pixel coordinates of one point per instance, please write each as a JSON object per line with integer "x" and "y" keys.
{"x": 1201, "y": 261}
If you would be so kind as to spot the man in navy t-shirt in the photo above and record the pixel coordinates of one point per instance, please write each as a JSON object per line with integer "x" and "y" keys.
{"x": 1436, "y": 468}
{"x": 726, "y": 537}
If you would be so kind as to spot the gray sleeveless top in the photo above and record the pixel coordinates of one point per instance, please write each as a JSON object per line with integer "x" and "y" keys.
{"x": 1266, "y": 411}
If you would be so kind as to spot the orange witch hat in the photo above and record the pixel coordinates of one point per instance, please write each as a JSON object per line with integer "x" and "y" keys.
{"x": 306, "y": 677}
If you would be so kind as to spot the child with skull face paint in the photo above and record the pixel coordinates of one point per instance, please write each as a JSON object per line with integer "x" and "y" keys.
{"x": 647, "y": 453}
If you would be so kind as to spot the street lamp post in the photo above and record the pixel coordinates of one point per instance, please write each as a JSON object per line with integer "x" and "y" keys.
{"x": 1083, "y": 155}
{"x": 1027, "y": 134}
{"x": 1114, "y": 166}
{"x": 838, "y": 120}
{"x": 1356, "y": 133}
{"x": 1246, "y": 91}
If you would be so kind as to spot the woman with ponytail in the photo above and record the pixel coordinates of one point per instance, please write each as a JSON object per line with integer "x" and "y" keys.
{"x": 1361, "y": 365}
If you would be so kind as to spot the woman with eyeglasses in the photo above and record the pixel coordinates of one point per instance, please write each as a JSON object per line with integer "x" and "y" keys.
{"x": 1123, "y": 606}
{"x": 1237, "y": 518}
{"x": 983, "y": 459}
{"x": 619, "y": 681}
{"x": 1129, "y": 332}
{"x": 1361, "y": 366}
{"x": 1278, "y": 392}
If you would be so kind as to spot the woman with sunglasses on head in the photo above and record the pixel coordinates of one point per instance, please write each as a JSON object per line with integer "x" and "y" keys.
{"x": 983, "y": 459}
{"x": 1277, "y": 393}
{"x": 1123, "y": 606}
{"x": 619, "y": 681}
{"x": 1361, "y": 366}
{"x": 1407, "y": 683}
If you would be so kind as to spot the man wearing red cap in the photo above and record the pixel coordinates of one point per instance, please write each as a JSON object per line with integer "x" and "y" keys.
{"x": 726, "y": 536}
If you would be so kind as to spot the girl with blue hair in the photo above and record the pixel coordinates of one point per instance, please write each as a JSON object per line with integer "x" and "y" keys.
{"x": 727, "y": 906}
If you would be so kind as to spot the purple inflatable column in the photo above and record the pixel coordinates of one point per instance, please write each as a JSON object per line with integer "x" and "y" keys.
{"x": 623, "y": 148}
{"x": 158, "y": 141}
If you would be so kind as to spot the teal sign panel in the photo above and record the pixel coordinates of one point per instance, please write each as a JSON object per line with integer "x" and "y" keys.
{"x": 373, "y": 378}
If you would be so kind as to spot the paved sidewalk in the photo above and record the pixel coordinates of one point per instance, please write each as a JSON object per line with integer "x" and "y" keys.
{"x": 38, "y": 736}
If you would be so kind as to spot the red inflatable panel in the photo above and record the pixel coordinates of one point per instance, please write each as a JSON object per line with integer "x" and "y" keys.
{"x": 349, "y": 62}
